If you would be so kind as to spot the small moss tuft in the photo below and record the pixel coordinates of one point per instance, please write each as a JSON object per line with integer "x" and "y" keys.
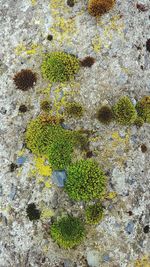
{"x": 50, "y": 37}
{"x": 94, "y": 213}
{"x": 74, "y": 109}
{"x": 143, "y": 108}
{"x": 25, "y": 79}
{"x": 124, "y": 111}
{"x": 87, "y": 61}
{"x": 45, "y": 105}
{"x": 70, "y": 3}
{"x": 99, "y": 7}
{"x": 32, "y": 212}
{"x": 139, "y": 121}
{"x": 68, "y": 231}
{"x": 85, "y": 181}
{"x": 105, "y": 114}
{"x": 59, "y": 66}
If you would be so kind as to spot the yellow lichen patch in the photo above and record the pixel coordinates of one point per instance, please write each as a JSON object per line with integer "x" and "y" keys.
{"x": 111, "y": 195}
{"x": 46, "y": 213}
{"x": 33, "y": 2}
{"x": 21, "y": 152}
{"x": 143, "y": 262}
{"x": 42, "y": 168}
{"x": 96, "y": 43}
{"x": 104, "y": 35}
{"x": 22, "y": 50}
{"x": 64, "y": 27}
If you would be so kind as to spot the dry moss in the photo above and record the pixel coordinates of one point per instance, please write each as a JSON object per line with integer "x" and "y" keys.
{"x": 99, "y": 7}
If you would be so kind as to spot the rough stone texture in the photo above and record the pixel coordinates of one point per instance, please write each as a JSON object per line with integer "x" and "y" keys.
{"x": 118, "y": 43}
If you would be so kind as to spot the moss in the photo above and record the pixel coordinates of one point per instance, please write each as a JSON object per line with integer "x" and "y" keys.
{"x": 25, "y": 79}
{"x": 94, "y": 213}
{"x": 59, "y": 66}
{"x": 87, "y": 61}
{"x": 139, "y": 121}
{"x": 105, "y": 114}
{"x": 68, "y": 231}
{"x": 74, "y": 109}
{"x": 32, "y": 212}
{"x": 99, "y": 7}
{"x": 60, "y": 153}
{"x": 124, "y": 111}
{"x": 45, "y": 105}
{"x": 85, "y": 181}
{"x": 143, "y": 108}
{"x": 39, "y": 136}
{"x": 49, "y": 139}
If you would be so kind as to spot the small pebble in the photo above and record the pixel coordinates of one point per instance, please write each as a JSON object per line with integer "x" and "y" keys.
{"x": 146, "y": 229}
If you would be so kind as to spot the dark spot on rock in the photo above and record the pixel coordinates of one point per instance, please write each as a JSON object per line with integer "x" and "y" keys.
{"x": 89, "y": 154}
{"x": 146, "y": 229}
{"x": 50, "y": 37}
{"x": 22, "y": 108}
{"x": 70, "y": 3}
{"x": 148, "y": 45}
{"x": 3, "y": 111}
{"x": 143, "y": 148}
{"x": 43, "y": 259}
{"x": 32, "y": 212}
{"x": 141, "y": 7}
{"x": 142, "y": 67}
{"x": 13, "y": 167}
{"x": 130, "y": 213}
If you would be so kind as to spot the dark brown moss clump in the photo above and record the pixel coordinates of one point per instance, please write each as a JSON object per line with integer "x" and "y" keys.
{"x": 25, "y": 79}
{"x": 32, "y": 212}
{"x": 50, "y": 37}
{"x": 70, "y": 3}
{"x": 99, "y": 7}
{"x": 143, "y": 148}
{"x": 22, "y": 108}
{"x": 87, "y": 61}
{"x": 105, "y": 114}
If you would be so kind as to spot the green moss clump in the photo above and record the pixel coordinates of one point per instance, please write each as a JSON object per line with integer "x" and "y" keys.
{"x": 59, "y": 66}
{"x": 60, "y": 153}
{"x": 105, "y": 114}
{"x": 68, "y": 232}
{"x": 40, "y": 136}
{"x": 124, "y": 111}
{"x": 85, "y": 181}
{"x": 74, "y": 109}
{"x": 94, "y": 213}
{"x": 143, "y": 108}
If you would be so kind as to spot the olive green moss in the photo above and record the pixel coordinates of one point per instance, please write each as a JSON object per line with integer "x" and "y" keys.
{"x": 68, "y": 232}
{"x": 39, "y": 137}
{"x": 59, "y": 66}
{"x": 139, "y": 121}
{"x": 143, "y": 108}
{"x": 85, "y": 180}
{"x": 45, "y": 136}
{"x": 45, "y": 105}
{"x": 74, "y": 109}
{"x": 60, "y": 153}
{"x": 94, "y": 213}
{"x": 124, "y": 111}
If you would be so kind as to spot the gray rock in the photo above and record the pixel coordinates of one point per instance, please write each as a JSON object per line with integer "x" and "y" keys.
{"x": 93, "y": 258}
{"x": 59, "y": 177}
{"x": 13, "y": 192}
